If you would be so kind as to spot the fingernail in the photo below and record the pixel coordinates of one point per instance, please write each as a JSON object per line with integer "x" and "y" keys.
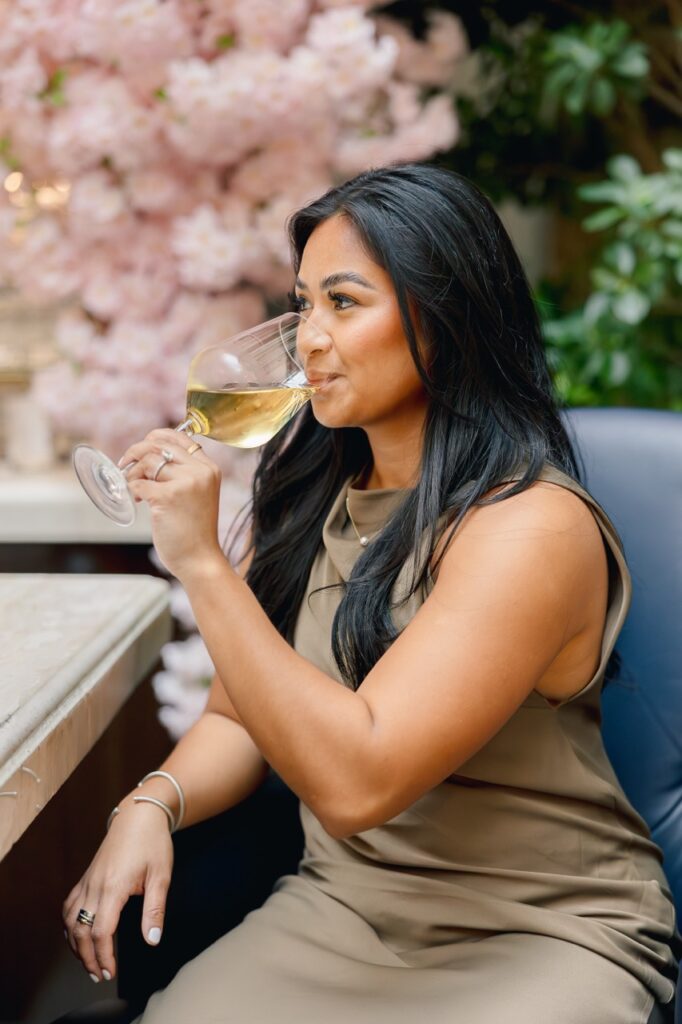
{"x": 106, "y": 975}
{"x": 120, "y": 461}
{"x": 154, "y": 935}
{"x": 94, "y": 978}
{"x": 66, "y": 935}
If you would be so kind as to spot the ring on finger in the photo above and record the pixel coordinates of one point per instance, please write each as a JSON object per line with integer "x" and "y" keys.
{"x": 85, "y": 917}
{"x": 193, "y": 448}
{"x": 166, "y": 457}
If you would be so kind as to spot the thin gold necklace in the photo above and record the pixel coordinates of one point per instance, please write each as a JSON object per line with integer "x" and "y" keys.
{"x": 364, "y": 540}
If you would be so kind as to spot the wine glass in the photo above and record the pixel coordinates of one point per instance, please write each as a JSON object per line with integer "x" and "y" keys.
{"x": 240, "y": 391}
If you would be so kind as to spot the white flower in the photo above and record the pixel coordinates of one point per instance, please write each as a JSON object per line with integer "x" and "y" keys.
{"x": 188, "y": 660}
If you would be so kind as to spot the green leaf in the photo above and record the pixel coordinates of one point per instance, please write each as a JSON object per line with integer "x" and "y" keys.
{"x": 619, "y": 369}
{"x": 602, "y": 219}
{"x": 161, "y": 93}
{"x": 226, "y": 42}
{"x": 631, "y": 307}
{"x": 602, "y": 192}
{"x": 54, "y": 90}
{"x": 606, "y": 281}
{"x": 595, "y": 307}
{"x": 632, "y": 62}
{"x": 6, "y": 154}
{"x": 623, "y": 168}
{"x": 575, "y": 99}
{"x": 672, "y": 158}
{"x": 595, "y": 363}
{"x": 603, "y": 97}
{"x": 623, "y": 257}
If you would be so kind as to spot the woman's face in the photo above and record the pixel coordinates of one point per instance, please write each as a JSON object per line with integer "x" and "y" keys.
{"x": 361, "y": 344}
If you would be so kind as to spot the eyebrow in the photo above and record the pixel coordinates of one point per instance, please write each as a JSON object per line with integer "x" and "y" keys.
{"x": 339, "y": 278}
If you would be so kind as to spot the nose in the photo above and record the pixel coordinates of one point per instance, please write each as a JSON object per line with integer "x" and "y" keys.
{"x": 311, "y": 338}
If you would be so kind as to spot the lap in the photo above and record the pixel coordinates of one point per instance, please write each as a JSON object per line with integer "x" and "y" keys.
{"x": 304, "y": 957}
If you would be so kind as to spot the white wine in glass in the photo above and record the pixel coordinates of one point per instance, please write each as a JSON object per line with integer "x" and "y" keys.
{"x": 245, "y": 417}
{"x": 241, "y": 392}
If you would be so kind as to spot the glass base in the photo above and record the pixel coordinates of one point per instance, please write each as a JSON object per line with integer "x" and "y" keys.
{"x": 104, "y": 484}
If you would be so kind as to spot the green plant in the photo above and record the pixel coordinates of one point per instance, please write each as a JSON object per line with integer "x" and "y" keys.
{"x": 624, "y": 344}
{"x": 558, "y": 88}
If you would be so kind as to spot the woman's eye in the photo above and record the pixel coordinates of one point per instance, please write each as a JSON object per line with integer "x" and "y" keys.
{"x": 297, "y": 301}
{"x": 337, "y": 298}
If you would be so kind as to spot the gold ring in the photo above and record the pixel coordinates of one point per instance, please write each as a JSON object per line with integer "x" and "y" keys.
{"x": 192, "y": 448}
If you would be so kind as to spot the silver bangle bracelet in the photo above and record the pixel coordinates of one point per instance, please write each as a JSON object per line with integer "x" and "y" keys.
{"x": 112, "y": 816}
{"x": 178, "y": 790}
{"x": 159, "y": 803}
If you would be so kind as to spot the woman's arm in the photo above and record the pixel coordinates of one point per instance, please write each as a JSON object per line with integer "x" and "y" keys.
{"x": 511, "y": 592}
{"x": 216, "y": 762}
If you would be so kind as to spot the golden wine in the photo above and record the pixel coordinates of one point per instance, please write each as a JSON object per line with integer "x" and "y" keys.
{"x": 245, "y": 416}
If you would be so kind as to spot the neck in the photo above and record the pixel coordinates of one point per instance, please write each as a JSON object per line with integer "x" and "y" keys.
{"x": 396, "y": 457}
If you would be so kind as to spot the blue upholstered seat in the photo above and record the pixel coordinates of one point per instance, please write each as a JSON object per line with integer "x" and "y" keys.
{"x": 632, "y": 462}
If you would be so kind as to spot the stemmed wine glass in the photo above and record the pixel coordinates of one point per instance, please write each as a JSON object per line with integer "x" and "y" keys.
{"x": 240, "y": 391}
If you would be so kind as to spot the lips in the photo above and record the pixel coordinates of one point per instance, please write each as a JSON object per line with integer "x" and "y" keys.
{"x": 319, "y": 380}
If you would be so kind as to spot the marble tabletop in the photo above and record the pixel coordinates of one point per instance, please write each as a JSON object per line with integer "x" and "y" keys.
{"x": 49, "y": 506}
{"x": 72, "y": 649}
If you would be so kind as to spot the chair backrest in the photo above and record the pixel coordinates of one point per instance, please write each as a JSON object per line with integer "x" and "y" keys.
{"x": 632, "y": 463}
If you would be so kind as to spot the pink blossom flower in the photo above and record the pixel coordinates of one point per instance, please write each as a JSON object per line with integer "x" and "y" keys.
{"x": 433, "y": 61}
{"x": 269, "y": 24}
{"x": 45, "y": 265}
{"x": 100, "y": 110}
{"x": 22, "y": 81}
{"x": 74, "y": 334}
{"x": 159, "y": 190}
{"x": 139, "y": 36}
{"x": 97, "y": 207}
{"x": 436, "y": 129}
{"x": 212, "y": 253}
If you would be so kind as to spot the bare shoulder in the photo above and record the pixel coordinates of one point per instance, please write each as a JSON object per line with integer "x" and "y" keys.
{"x": 543, "y": 509}
{"x": 549, "y": 528}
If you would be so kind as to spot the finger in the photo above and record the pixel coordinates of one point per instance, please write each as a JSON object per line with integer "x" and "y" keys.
{"x": 82, "y": 936}
{"x": 148, "y": 461}
{"x": 70, "y": 908}
{"x": 154, "y": 907}
{"x": 103, "y": 931}
{"x": 136, "y": 451}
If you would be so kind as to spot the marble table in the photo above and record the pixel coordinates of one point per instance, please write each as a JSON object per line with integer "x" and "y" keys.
{"x": 50, "y": 507}
{"x": 72, "y": 650}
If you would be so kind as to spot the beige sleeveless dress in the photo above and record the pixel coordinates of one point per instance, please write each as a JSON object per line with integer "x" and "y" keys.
{"x": 524, "y": 889}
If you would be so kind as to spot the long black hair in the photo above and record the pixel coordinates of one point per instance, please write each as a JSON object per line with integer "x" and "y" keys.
{"x": 492, "y": 410}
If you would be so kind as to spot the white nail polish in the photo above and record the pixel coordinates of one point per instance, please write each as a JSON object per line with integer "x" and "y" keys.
{"x": 94, "y": 978}
{"x": 154, "y": 935}
{"x": 106, "y": 975}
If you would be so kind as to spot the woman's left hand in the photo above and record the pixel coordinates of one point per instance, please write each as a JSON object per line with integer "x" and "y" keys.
{"x": 183, "y": 499}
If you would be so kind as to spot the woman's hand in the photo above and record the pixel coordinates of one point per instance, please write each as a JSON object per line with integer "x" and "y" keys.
{"x": 183, "y": 499}
{"x": 134, "y": 858}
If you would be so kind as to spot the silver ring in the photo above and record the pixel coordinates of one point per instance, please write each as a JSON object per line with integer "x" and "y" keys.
{"x": 85, "y": 917}
{"x": 166, "y": 457}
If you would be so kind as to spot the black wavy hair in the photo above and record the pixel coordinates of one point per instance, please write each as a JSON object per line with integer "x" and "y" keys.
{"x": 493, "y": 410}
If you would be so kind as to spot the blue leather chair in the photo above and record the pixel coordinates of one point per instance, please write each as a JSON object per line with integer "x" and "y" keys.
{"x": 632, "y": 465}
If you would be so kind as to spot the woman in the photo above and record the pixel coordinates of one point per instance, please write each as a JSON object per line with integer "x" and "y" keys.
{"x": 418, "y": 648}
